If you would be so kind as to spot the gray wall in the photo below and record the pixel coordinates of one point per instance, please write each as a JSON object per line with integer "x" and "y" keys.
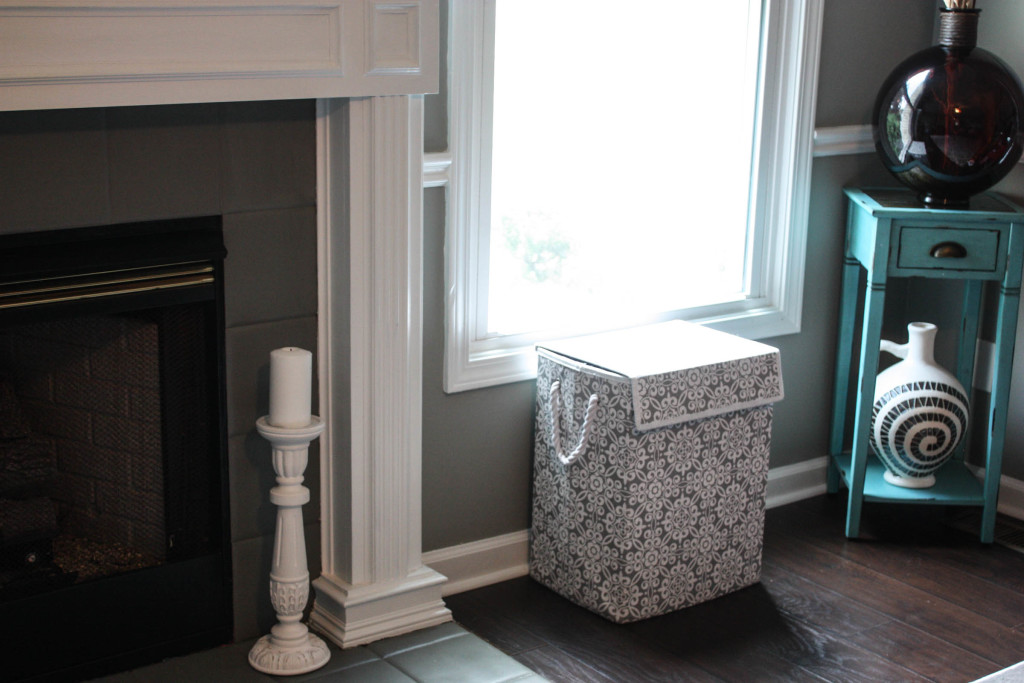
{"x": 477, "y": 444}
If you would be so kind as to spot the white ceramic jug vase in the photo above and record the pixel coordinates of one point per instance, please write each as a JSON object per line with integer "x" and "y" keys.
{"x": 920, "y": 411}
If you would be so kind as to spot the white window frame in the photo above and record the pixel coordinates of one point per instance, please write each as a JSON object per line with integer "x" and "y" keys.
{"x": 780, "y": 195}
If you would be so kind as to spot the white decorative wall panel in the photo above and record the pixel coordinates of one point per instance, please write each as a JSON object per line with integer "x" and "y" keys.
{"x": 394, "y": 44}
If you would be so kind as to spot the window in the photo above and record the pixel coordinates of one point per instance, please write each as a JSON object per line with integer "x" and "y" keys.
{"x": 592, "y": 186}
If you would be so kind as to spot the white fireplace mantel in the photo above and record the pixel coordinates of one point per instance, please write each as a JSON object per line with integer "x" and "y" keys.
{"x": 367, "y": 62}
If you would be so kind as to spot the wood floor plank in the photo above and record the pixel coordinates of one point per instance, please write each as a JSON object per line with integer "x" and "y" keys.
{"x": 925, "y": 564}
{"x": 824, "y": 517}
{"x": 557, "y": 667}
{"x": 930, "y": 531}
{"x": 913, "y": 600}
{"x": 936, "y": 659}
{"x": 939, "y": 617}
{"x": 739, "y": 664}
{"x": 836, "y": 659}
{"x": 994, "y": 563}
{"x": 747, "y": 628}
{"x": 610, "y": 648}
{"x": 734, "y": 634}
{"x": 918, "y": 651}
{"x": 818, "y": 605}
{"x": 915, "y": 567}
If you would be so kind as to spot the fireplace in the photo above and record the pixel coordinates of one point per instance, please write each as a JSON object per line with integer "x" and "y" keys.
{"x": 349, "y": 287}
{"x": 248, "y": 167}
{"x": 113, "y": 505}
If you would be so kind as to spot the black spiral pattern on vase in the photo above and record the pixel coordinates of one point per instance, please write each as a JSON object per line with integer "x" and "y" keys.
{"x": 915, "y": 427}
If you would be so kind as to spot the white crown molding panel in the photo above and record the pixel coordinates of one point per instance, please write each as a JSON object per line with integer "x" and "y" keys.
{"x": 57, "y": 54}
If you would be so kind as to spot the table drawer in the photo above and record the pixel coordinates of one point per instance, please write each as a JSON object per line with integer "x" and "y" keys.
{"x": 940, "y": 248}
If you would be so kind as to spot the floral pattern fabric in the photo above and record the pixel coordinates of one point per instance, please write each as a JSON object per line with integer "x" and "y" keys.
{"x": 646, "y": 522}
{"x": 693, "y": 393}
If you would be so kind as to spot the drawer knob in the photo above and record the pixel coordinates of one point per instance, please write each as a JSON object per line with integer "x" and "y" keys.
{"x": 948, "y": 250}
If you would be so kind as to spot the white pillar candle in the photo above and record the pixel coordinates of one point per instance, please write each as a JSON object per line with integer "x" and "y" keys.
{"x": 291, "y": 380}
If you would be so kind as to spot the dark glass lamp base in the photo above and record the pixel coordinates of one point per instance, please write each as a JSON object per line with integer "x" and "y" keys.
{"x": 948, "y": 120}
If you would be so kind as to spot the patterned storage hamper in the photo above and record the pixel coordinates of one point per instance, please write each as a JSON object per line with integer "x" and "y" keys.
{"x": 650, "y": 466}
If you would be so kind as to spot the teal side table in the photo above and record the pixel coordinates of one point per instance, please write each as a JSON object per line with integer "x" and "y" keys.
{"x": 890, "y": 234}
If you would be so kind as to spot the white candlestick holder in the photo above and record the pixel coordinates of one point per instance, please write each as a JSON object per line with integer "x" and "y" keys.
{"x": 290, "y": 648}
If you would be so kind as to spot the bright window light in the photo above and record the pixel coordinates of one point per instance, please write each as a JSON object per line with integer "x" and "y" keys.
{"x": 605, "y": 210}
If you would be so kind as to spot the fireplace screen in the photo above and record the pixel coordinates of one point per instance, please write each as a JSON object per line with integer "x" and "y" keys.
{"x": 112, "y": 447}
{"x": 81, "y": 484}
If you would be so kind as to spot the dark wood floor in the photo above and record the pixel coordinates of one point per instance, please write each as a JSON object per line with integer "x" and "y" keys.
{"x": 913, "y": 599}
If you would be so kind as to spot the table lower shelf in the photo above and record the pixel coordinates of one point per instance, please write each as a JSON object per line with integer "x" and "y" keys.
{"x": 955, "y": 484}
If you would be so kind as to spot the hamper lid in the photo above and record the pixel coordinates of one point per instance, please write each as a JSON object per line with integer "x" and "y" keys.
{"x": 681, "y": 371}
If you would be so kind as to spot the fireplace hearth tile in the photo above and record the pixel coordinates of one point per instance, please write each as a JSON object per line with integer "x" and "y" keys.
{"x": 464, "y": 658}
{"x": 371, "y": 672}
{"x": 442, "y": 653}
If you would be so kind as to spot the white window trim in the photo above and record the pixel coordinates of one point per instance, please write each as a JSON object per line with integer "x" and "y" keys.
{"x": 782, "y": 195}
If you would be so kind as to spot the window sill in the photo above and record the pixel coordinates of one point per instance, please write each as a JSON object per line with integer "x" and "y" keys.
{"x": 472, "y": 365}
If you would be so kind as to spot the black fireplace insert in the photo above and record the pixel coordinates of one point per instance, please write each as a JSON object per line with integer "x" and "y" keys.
{"x": 114, "y": 537}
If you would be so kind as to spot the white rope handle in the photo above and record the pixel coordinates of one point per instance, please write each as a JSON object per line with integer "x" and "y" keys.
{"x": 556, "y": 424}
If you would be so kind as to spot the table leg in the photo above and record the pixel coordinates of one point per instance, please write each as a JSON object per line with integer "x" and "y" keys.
{"x": 1006, "y": 329}
{"x": 874, "y": 304}
{"x": 844, "y": 357}
{"x": 970, "y": 315}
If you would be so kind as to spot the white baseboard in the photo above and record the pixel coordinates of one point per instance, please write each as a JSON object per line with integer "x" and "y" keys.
{"x": 790, "y": 483}
{"x": 481, "y": 563}
{"x": 1011, "y": 494}
{"x": 1011, "y": 497}
{"x": 492, "y": 560}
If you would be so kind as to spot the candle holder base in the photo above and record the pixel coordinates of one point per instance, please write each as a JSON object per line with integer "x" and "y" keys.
{"x": 269, "y": 657}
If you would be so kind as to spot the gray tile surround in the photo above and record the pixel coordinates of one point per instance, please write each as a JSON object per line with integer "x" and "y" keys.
{"x": 186, "y": 182}
{"x": 267, "y": 157}
{"x": 252, "y": 293}
{"x": 53, "y": 170}
{"x": 445, "y": 653}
